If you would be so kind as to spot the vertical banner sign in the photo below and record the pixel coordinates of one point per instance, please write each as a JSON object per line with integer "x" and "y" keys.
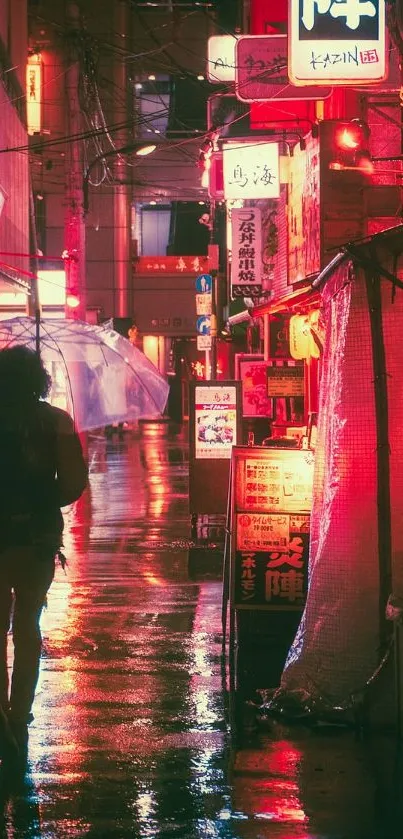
{"x": 337, "y": 42}
{"x": 246, "y": 266}
{"x": 34, "y": 94}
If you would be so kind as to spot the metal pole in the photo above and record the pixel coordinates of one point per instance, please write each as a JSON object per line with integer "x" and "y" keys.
{"x": 121, "y": 193}
{"x": 74, "y": 233}
{"x": 34, "y": 306}
{"x": 213, "y": 328}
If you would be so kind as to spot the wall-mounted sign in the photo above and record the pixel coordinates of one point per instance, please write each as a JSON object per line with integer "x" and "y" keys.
{"x": 170, "y": 265}
{"x": 251, "y": 169}
{"x": 337, "y": 42}
{"x": 285, "y": 381}
{"x": 262, "y": 74}
{"x": 215, "y": 420}
{"x": 221, "y": 58}
{"x": 246, "y": 265}
{"x": 34, "y": 94}
{"x": 304, "y": 212}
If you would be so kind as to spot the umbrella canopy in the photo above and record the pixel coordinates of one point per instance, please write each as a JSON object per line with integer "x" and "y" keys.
{"x": 97, "y": 375}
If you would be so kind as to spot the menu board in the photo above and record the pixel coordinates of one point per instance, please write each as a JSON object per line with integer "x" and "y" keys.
{"x": 215, "y": 420}
{"x": 281, "y": 481}
{"x": 285, "y": 381}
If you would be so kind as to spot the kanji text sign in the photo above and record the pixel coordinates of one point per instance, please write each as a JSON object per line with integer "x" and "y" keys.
{"x": 246, "y": 265}
{"x": 337, "y": 42}
{"x": 271, "y": 497}
{"x": 251, "y": 170}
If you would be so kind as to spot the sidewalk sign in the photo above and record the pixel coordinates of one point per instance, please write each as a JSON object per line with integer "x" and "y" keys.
{"x": 214, "y": 428}
{"x": 271, "y": 492}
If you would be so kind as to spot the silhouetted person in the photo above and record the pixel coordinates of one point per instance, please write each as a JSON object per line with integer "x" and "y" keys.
{"x": 42, "y": 469}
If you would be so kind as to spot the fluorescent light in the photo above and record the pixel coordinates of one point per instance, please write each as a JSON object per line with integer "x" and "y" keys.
{"x": 143, "y": 151}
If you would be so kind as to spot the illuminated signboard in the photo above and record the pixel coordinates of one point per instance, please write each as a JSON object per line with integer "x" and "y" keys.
{"x": 215, "y": 420}
{"x": 251, "y": 170}
{"x": 34, "y": 94}
{"x": 52, "y": 287}
{"x": 246, "y": 265}
{"x": 221, "y": 58}
{"x": 261, "y": 71}
{"x": 337, "y": 42}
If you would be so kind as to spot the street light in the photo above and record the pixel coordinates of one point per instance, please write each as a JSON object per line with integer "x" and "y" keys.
{"x": 141, "y": 150}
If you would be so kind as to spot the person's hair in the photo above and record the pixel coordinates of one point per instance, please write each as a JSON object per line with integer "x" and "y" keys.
{"x": 23, "y": 375}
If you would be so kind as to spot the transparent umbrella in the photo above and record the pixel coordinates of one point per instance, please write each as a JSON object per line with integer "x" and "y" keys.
{"x": 97, "y": 375}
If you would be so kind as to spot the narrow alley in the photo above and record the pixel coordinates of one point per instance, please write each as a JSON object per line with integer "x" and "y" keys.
{"x": 132, "y": 734}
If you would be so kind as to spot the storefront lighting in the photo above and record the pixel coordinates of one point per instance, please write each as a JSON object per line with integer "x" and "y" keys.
{"x": 34, "y": 94}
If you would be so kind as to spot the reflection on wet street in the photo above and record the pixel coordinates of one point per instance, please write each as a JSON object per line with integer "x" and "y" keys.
{"x": 132, "y": 733}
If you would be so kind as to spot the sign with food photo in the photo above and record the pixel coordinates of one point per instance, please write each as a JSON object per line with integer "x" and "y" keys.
{"x": 215, "y": 421}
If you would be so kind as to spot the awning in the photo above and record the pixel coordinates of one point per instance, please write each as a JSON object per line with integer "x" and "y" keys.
{"x": 304, "y": 296}
{"x": 11, "y": 276}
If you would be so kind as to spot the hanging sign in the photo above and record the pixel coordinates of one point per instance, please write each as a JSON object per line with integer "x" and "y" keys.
{"x": 261, "y": 71}
{"x": 34, "y": 94}
{"x": 337, "y": 42}
{"x": 251, "y": 170}
{"x": 246, "y": 265}
{"x": 221, "y": 58}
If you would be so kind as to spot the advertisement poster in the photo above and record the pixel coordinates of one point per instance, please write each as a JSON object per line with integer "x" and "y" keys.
{"x": 262, "y": 531}
{"x": 281, "y": 481}
{"x": 277, "y": 577}
{"x": 255, "y": 401}
{"x": 215, "y": 421}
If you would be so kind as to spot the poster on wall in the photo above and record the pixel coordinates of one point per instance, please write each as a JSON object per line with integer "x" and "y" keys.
{"x": 253, "y": 376}
{"x": 215, "y": 420}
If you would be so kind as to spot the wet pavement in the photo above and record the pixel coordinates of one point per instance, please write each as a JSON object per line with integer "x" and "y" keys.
{"x": 134, "y": 732}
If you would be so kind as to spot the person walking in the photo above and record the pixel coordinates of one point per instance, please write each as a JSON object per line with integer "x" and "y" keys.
{"x": 42, "y": 468}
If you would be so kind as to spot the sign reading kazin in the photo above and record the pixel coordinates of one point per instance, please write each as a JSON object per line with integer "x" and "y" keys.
{"x": 251, "y": 170}
{"x": 337, "y": 42}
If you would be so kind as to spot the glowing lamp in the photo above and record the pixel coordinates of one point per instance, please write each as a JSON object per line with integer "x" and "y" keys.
{"x": 72, "y": 301}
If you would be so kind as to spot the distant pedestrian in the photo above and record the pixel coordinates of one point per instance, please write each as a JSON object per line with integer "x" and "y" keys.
{"x": 42, "y": 469}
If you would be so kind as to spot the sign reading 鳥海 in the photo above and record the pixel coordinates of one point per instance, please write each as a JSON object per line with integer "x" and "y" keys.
{"x": 251, "y": 170}
{"x": 246, "y": 265}
{"x": 337, "y": 42}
